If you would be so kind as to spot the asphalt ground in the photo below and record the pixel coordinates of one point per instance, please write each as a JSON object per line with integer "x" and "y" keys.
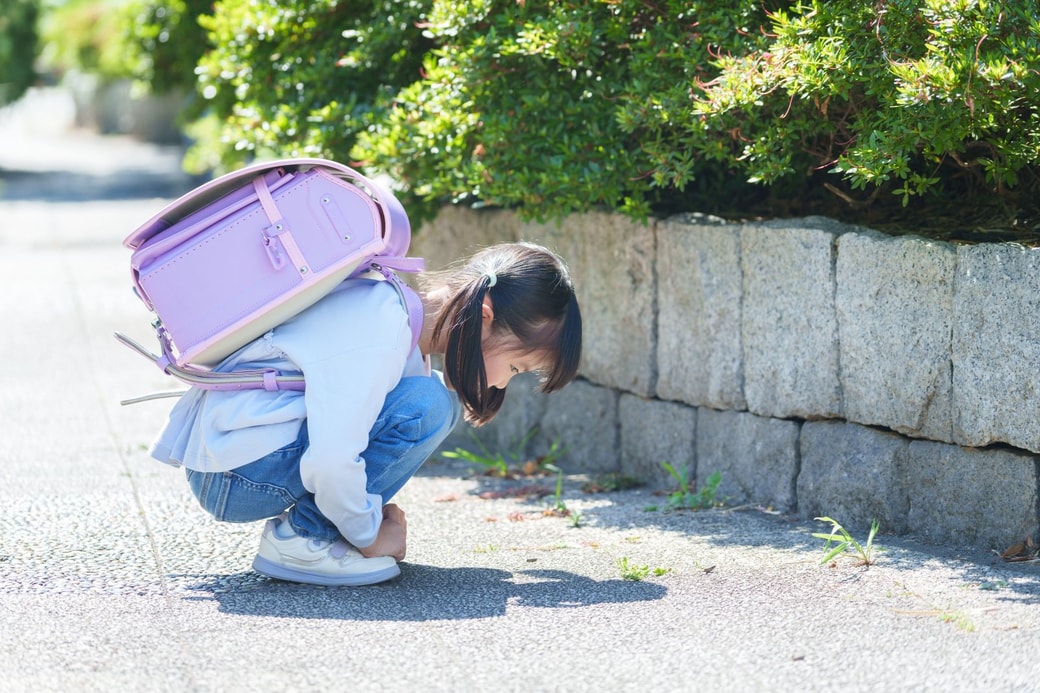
{"x": 113, "y": 579}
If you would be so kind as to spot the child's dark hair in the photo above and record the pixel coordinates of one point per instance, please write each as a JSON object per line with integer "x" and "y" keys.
{"x": 532, "y": 297}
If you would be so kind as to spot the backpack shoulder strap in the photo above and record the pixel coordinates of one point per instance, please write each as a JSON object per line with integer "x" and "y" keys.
{"x": 412, "y": 302}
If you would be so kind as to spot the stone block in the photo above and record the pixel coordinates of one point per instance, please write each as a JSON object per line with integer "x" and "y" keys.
{"x": 789, "y": 328}
{"x": 895, "y": 317}
{"x": 758, "y": 457}
{"x": 458, "y": 232}
{"x": 699, "y": 356}
{"x": 965, "y": 496}
{"x": 652, "y": 432}
{"x": 854, "y": 475}
{"x": 996, "y": 352}
{"x": 611, "y": 259}
{"x": 584, "y": 418}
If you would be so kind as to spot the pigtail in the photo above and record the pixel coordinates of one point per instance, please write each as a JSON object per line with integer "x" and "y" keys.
{"x": 568, "y": 348}
{"x": 462, "y": 317}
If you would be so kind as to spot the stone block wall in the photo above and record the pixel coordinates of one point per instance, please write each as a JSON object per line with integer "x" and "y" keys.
{"x": 895, "y": 316}
{"x": 824, "y": 369}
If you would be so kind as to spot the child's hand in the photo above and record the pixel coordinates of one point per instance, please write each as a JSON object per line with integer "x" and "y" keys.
{"x": 392, "y": 537}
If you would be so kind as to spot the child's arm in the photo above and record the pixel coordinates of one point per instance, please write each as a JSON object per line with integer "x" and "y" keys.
{"x": 351, "y": 347}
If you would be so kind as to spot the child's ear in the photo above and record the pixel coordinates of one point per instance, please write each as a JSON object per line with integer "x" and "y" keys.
{"x": 487, "y": 314}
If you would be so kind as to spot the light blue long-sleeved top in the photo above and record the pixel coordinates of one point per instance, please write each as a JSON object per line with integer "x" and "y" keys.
{"x": 353, "y": 347}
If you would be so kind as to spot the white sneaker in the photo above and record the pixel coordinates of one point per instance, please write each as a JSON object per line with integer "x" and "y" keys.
{"x": 287, "y": 556}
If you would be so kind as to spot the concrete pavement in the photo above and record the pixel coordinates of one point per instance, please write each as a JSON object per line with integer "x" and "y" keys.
{"x": 111, "y": 577}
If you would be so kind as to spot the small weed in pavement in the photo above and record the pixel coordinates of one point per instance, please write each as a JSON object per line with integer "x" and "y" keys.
{"x": 559, "y": 507}
{"x": 843, "y": 541}
{"x": 510, "y": 464}
{"x": 631, "y": 571}
{"x": 494, "y": 464}
{"x": 959, "y": 619}
{"x": 687, "y": 499}
{"x": 636, "y": 573}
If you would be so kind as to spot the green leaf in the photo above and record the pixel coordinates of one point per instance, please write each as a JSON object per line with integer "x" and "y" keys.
{"x": 834, "y": 552}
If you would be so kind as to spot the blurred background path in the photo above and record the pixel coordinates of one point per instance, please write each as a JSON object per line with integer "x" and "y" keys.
{"x": 44, "y": 157}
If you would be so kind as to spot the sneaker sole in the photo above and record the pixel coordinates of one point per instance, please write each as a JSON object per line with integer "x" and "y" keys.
{"x": 271, "y": 569}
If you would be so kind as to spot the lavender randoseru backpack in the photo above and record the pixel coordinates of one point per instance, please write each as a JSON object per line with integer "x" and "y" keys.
{"x": 233, "y": 258}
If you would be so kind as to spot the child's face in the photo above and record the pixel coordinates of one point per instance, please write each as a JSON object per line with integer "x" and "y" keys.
{"x": 504, "y": 355}
{"x": 501, "y": 363}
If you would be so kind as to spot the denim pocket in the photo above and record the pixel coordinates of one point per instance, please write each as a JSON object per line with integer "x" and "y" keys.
{"x": 246, "y": 501}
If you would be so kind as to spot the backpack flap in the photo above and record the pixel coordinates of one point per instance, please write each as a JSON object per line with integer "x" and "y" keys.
{"x": 241, "y": 254}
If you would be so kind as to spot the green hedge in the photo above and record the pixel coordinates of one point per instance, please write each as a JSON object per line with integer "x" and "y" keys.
{"x": 302, "y": 77}
{"x": 554, "y": 107}
{"x": 904, "y": 95}
{"x": 524, "y": 104}
{"x": 157, "y": 43}
{"x": 18, "y": 46}
{"x": 164, "y": 42}
{"x": 85, "y": 36}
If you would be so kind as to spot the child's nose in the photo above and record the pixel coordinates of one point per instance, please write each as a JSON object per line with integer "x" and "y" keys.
{"x": 504, "y": 381}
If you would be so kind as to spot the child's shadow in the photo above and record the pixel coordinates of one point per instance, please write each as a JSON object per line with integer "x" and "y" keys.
{"x": 422, "y": 593}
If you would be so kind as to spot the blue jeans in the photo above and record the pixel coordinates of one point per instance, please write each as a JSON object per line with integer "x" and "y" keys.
{"x": 417, "y": 415}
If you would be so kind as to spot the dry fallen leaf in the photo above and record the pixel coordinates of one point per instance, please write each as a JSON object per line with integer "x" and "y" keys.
{"x": 1013, "y": 551}
{"x": 1022, "y": 551}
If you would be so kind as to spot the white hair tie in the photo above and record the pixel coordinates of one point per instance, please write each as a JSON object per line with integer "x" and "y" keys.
{"x": 492, "y": 278}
